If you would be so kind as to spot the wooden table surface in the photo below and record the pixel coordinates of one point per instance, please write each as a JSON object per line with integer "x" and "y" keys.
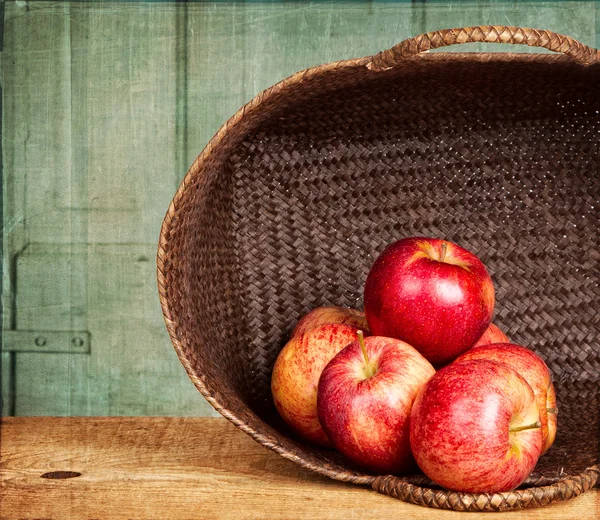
{"x": 165, "y": 467}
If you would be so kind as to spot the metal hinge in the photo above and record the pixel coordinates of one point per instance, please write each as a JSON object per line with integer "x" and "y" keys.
{"x": 73, "y": 342}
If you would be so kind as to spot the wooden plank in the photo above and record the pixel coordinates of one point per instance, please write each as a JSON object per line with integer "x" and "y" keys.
{"x": 6, "y": 383}
{"x": 187, "y": 468}
{"x": 35, "y": 133}
{"x": 37, "y": 122}
{"x": 125, "y": 61}
{"x": 45, "y": 293}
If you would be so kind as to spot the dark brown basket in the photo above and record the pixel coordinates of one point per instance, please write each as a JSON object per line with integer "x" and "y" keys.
{"x": 289, "y": 204}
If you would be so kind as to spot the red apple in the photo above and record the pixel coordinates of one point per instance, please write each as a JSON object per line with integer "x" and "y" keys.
{"x": 475, "y": 427}
{"x": 296, "y": 375}
{"x": 492, "y": 334}
{"x": 322, "y": 315}
{"x": 533, "y": 369}
{"x": 433, "y": 294}
{"x": 365, "y": 396}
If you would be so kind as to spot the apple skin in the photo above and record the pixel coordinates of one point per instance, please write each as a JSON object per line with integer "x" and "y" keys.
{"x": 296, "y": 373}
{"x": 438, "y": 302}
{"x": 492, "y": 334}
{"x": 367, "y": 418}
{"x": 533, "y": 369}
{"x": 323, "y": 315}
{"x": 459, "y": 427}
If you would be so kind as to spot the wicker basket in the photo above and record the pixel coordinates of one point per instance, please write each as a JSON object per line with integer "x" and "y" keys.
{"x": 290, "y": 203}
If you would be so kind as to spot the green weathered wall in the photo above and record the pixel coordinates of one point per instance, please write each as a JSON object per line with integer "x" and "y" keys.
{"x": 105, "y": 105}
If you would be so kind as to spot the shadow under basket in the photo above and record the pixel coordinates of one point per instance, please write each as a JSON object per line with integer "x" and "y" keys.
{"x": 290, "y": 203}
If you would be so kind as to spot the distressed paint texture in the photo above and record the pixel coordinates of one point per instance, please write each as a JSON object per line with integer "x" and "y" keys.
{"x": 105, "y": 105}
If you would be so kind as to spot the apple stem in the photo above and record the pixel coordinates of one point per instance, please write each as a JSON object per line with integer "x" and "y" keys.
{"x": 361, "y": 342}
{"x": 536, "y": 424}
{"x": 552, "y": 410}
{"x": 443, "y": 255}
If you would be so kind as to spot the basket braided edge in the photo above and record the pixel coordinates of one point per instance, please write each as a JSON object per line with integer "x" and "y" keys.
{"x": 569, "y": 487}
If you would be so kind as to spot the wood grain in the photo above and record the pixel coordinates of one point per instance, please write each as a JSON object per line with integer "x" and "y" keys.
{"x": 164, "y": 467}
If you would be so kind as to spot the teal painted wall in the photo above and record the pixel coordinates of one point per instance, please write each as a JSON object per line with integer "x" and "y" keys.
{"x": 105, "y": 106}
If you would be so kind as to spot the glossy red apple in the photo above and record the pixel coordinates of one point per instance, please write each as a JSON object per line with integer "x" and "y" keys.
{"x": 364, "y": 400}
{"x": 331, "y": 314}
{"x": 493, "y": 334}
{"x": 296, "y": 375}
{"x": 533, "y": 369}
{"x": 475, "y": 427}
{"x": 433, "y": 294}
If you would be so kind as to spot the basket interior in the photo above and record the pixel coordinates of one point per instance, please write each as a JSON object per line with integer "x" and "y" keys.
{"x": 498, "y": 155}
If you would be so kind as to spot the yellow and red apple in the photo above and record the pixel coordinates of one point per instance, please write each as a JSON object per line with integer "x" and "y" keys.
{"x": 331, "y": 314}
{"x": 475, "y": 427}
{"x": 364, "y": 401}
{"x": 296, "y": 373}
{"x": 430, "y": 293}
{"x": 533, "y": 369}
{"x": 493, "y": 334}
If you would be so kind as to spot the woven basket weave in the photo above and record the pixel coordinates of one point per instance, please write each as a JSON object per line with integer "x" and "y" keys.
{"x": 290, "y": 203}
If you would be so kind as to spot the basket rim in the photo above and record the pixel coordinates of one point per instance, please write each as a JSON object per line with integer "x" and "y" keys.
{"x": 565, "y": 488}
{"x": 196, "y": 171}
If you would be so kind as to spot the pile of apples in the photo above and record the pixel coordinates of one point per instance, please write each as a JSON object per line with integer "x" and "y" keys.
{"x": 421, "y": 377}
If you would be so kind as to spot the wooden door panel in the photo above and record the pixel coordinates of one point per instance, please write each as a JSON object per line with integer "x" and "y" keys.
{"x": 105, "y": 107}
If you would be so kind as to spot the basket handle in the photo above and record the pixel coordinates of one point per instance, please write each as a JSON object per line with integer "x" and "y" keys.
{"x": 564, "y": 489}
{"x": 412, "y": 47}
